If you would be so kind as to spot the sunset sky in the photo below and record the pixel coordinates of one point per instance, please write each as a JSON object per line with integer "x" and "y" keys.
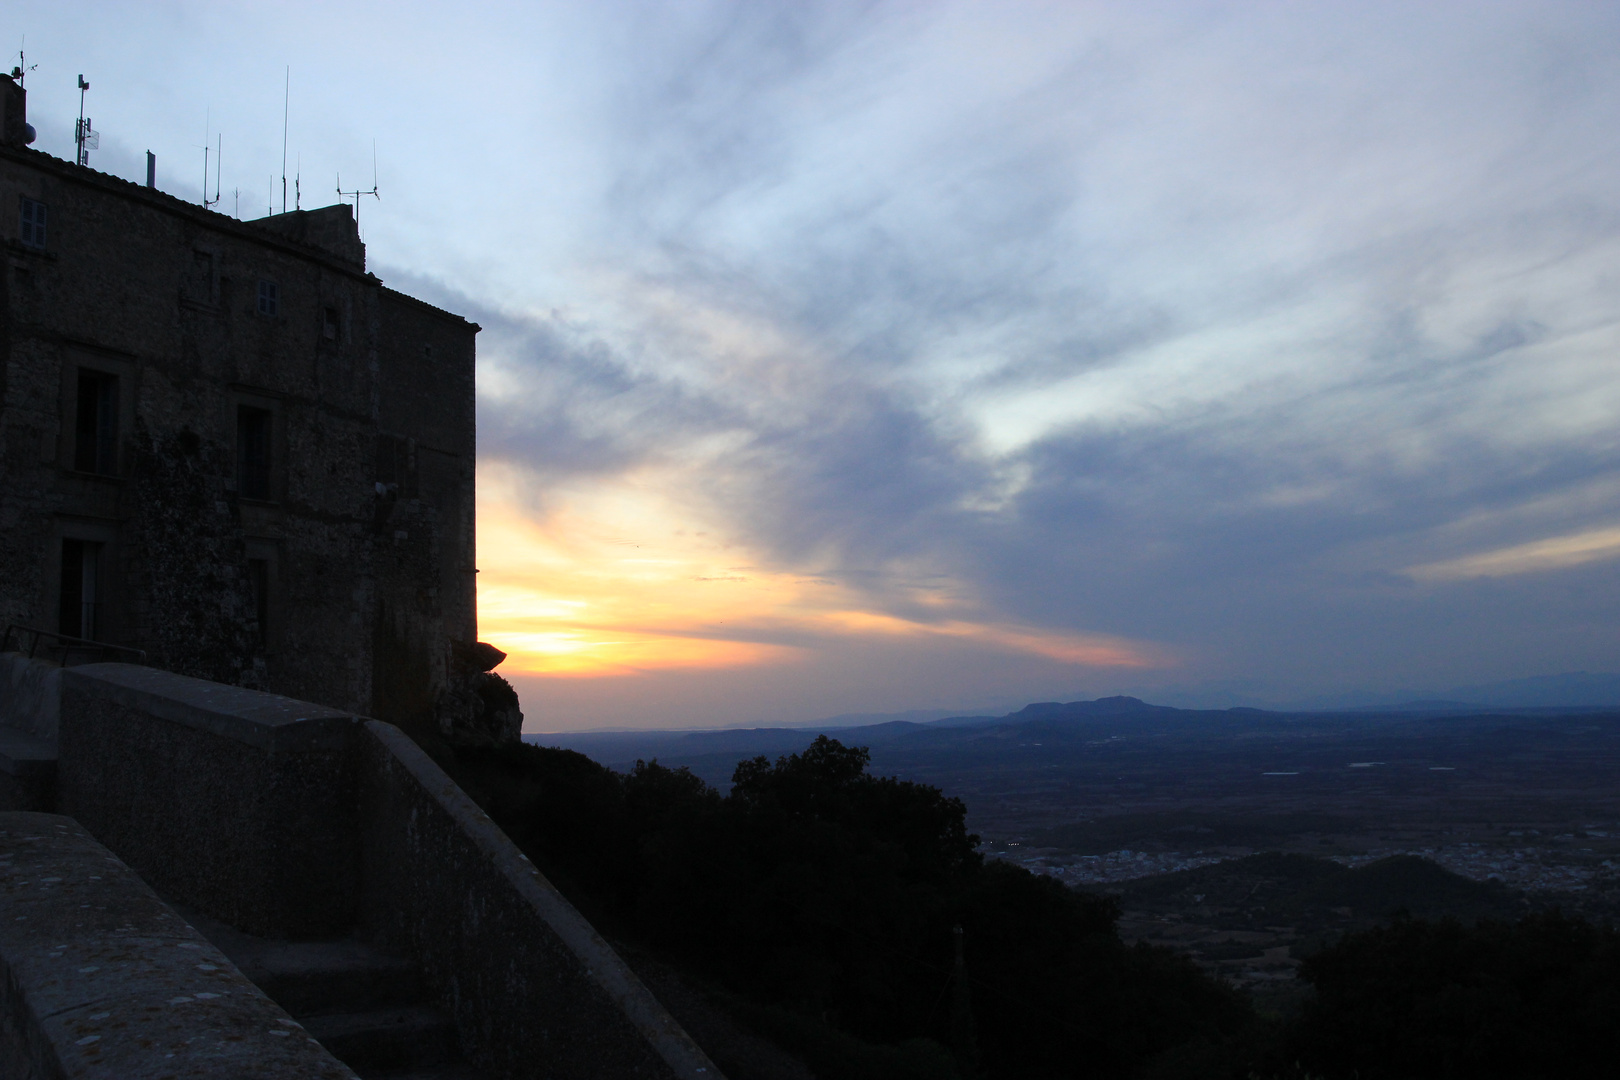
{"x": 866, "y": 357}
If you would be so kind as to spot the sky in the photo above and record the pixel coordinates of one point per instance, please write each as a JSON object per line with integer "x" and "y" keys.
{"x": 867, "y": 357}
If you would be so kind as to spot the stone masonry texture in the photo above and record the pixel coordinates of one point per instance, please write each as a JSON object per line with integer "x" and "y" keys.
{"x": 284, "y": 495}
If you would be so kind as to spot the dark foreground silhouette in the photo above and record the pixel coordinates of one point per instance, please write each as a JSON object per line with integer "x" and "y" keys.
{"x": 849, "y": 919}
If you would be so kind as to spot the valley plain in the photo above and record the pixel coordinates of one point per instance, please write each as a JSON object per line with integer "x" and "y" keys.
{"x": 1247, "y": 837}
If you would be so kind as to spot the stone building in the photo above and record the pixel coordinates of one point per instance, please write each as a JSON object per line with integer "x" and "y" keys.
{"x": 227, "y": 444}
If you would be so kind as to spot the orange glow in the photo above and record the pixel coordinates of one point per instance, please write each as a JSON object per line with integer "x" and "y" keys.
{"x": 605, "y": 583}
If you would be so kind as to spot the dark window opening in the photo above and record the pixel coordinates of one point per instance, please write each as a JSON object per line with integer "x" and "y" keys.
{"x": 329, "y": 324}
{"x": 253, "y": 452}
{"x": 259, "y": 582}
{"x": 394, "y": 463}
{"x": 201, "y": 287}
{"x": 81, "y": 592}
{"x": 31, "y": 223}
{"x": 269, "y": 298}
{"x": 95, "y": 423}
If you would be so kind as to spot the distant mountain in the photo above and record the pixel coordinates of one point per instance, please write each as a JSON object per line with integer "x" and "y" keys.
{"x": 1108, "y": 706}
{"x": 1571, "y": 688}
{"x": 850, "y": 720}
{"x": 1575, "y": 689}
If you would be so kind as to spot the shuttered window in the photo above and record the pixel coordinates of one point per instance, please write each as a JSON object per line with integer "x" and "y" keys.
{"x": 31, "y": 223}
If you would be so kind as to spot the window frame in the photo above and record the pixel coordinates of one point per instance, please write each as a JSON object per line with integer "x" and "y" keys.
{"x": 79, "y": 361}
{"x": 269, "y": 303}
{"x": 95, "y": 444}
{"x": 265, "y": 470}
{"x": 33, "y": 221}
{"x": 266, "y": 552}
{"x": 89, "y": 567}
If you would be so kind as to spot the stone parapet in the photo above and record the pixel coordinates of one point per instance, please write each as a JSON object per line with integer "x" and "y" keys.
{"x": 293, "y": 821}
{"x": 29, "y": 693}
{"x": 101, "y": 980}
{"x": 236, "y": 802}
{"x": 534, "y": 989}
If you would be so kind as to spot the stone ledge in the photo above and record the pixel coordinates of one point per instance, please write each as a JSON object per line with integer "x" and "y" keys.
{"x": 26, "y": 756}
{"x": 526, "y": 977}
{"x": 100, "y": 979}
{"x": 29, "y": 694}
{"x": 267, "y": 721}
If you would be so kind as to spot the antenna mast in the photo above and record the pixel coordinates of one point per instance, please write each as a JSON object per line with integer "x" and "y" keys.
{"x": 218, "y": 155}
{"x": 20, "y": 72}
{"x": 84, "y": 138}
{"x": 355, "y": 195}
{"x": 286, "y": 98}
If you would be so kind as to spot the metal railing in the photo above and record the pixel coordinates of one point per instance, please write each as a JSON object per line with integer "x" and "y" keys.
{"x": 65, "y": 646}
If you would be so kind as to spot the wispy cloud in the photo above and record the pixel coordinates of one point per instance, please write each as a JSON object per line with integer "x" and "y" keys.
{"x": 1539, "y": 556}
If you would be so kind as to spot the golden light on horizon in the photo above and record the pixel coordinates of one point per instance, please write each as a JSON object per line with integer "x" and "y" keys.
{"x": 601, "y": 584}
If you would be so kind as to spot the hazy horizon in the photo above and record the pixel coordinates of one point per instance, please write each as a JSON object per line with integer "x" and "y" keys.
{"x": 870, "y": 357}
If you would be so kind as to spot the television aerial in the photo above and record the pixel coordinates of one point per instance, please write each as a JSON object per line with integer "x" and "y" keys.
{"x": 20, "y": 72}
{"x": 355, "y": 195}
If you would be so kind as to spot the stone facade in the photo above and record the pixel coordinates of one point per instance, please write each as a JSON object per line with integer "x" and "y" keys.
{"x": 229, "y": 445}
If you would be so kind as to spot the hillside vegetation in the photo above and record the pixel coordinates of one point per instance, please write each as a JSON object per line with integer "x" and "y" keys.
{"x": 850, "y": 920}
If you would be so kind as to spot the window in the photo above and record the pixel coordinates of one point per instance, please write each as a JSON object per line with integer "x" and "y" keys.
{"x": 330, "y": 326}
{"x": 81, "y": 595}
{"x": 31, "y": 224}
{"x": 95, "y": 423}
{"x": 269, "y": 298}
{"x": 394, "y": 464}
{"x": 253, "y": 452}
{"x": 259, "y": 582}
{"x": 199, "y": 284}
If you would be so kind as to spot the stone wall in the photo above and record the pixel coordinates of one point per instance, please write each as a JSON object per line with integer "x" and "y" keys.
{"x": 364, "y": 539}
{"x": 236, "y": 802}
{"x": 444, "y": 885}
{"x": 288, "y": 819}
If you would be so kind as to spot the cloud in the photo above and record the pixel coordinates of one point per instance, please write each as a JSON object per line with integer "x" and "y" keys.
{"x": 1165, "y": 343}
{"x": 1553, "y": 553}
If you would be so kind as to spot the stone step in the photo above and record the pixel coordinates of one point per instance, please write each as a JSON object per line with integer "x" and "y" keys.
{"x": 455, "y": 1070}
{"x": 308, "y": 978}
{"x": 23, "y": 753}
{"x": 366, "y": 1007}
{"x": 412, "y": 1036}
{"x": 27, "y": 771}
{"x": 311, "y": 977}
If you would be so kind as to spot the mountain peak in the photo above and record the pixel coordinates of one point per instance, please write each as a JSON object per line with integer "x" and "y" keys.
{"x": 1107, "y": 706}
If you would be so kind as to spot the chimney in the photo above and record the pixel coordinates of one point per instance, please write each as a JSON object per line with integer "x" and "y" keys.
{"x": 15, "y": 129}
{"x": 151, "y": 171}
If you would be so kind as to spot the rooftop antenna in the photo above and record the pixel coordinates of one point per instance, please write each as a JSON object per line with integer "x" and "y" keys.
{"x": 355, "y": 195}
{"x": 206, "y": 201}
{"x": 286, "y": 98}
{"x": 20, "y": 72}
{"x": 84, "y": 138}
{"x": 298, "y": 191}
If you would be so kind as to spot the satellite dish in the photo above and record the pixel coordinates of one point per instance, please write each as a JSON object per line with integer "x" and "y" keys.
{"x": 29, "y": 135}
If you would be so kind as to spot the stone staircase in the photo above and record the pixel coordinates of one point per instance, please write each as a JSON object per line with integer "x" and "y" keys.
{"x": 366, "y": 1007}
{"x": 27, "y": 771}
